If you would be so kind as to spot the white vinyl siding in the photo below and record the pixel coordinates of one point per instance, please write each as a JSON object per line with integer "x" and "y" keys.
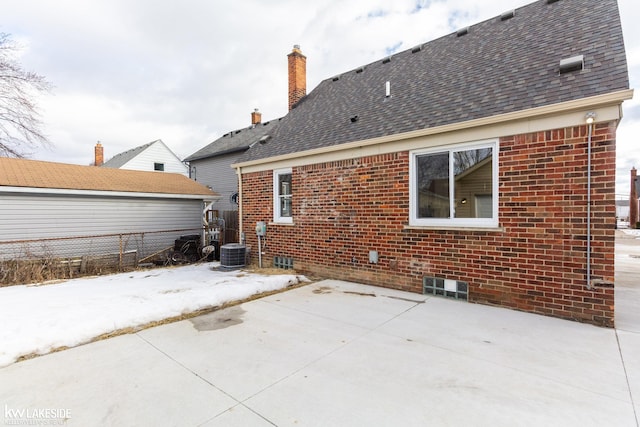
{"x": 29, "y": 216}
{"x": 157, "y": 153}
{"x": 216, "y": 172}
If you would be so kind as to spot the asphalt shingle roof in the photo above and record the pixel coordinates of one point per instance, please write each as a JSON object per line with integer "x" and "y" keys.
{"x": 235, "y": 141}
{"x": 37, "y": 174}
{"x": 121, "y": 159}
{"x": 499, "y": 66}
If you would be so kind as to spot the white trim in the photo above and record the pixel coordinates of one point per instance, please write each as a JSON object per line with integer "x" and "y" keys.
{"x": 556, "y": 116}
{"x": 415, "y": 221}
{"x": 277, "y": 218}
{"x": 129, "y": 194}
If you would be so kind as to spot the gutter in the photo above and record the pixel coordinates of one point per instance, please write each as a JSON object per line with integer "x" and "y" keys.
{"x": 104, "y": 193}
{"x": 548, "y": 110}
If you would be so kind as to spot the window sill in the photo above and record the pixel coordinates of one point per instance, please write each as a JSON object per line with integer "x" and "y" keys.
{"x": 453, "y": 228}
{"x": 286, "y": 224}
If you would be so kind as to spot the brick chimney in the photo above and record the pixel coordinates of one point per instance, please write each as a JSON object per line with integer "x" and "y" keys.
{"x": 256, "y": 117}
{"x": 297, "y": 76}
{"x": 98, "y": 155}
{"x": 633, "y": 200}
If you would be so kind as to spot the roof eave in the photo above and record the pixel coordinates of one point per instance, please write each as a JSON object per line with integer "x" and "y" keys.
{"x": 217, "y": 154}
{"x": 105, "y": 193}
{"x": 590, "y": 102}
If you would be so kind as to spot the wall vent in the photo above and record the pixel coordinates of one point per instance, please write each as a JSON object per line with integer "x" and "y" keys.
{"x": 462, "y": 31}
{"x": 575, "y": 63}
{"x": 507, "y": 15}
{"x": 283, "y": 262}
{"x": 445, "y": 287}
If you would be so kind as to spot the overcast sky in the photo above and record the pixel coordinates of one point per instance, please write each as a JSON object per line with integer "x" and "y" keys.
{"x": 128, "y": 72}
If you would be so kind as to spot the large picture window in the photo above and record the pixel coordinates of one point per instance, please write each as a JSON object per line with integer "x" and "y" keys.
{"x": 455, "y": 186}
{"x": 282, "y": 196}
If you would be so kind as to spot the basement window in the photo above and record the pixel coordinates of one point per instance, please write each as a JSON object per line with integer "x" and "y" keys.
{"x": 454, "y": 186}
{"x": 283, "y": 262}
{"x": 445, "y": 287}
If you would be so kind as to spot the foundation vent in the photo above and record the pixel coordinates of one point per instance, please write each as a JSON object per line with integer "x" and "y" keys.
{"x": 445, "y": 287}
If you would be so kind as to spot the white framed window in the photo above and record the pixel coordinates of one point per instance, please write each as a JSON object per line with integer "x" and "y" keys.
{"x": 282, "y": 196}
{"x": 454, "y": 185}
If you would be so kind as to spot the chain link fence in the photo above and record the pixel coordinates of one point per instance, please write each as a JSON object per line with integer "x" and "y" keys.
{"x": 35, "y": 261}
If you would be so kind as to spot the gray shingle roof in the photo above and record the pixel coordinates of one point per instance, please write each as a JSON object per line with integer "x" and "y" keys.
{"x": 499, "y": 66}
{"x": 121, "y": 159}
{"x": 235, "y": 141}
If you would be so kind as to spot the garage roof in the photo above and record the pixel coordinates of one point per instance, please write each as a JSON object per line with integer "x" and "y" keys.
{"x": 48, "y": 175}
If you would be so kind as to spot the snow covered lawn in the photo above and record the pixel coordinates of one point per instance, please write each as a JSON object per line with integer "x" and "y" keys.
{"x": 632, "y": 232}
{"x": 36, "y": 319}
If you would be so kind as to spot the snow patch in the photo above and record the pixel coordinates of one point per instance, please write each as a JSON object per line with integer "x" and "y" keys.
{"x": 38, "y": 319}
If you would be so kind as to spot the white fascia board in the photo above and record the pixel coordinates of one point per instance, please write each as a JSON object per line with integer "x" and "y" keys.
{"x": 570, "y": 113}
{"x": 97, "y": 193}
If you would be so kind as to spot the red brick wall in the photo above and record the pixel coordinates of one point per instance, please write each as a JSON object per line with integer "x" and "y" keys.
{"x": 536, "y": 263}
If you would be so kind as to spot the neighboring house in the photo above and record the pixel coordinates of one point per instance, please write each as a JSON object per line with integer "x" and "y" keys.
{"x": 369, "y": 176}
{"x": 43, "y": 200}
{"x": 154, "y": 156}
{"x": 622, "y": 211}
{"x": 211, "y": 165}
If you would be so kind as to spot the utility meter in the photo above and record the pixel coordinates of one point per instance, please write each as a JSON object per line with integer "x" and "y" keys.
{"x": 261, "y": 228}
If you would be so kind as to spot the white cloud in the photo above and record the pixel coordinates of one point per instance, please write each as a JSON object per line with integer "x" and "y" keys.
{"x": 127, "y": 73}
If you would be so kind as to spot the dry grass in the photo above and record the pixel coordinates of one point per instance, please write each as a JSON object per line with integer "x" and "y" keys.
{"x": 43, "y": 270}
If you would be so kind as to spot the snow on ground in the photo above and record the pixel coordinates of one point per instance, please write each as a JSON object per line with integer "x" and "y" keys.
{"x": 39, "y": 318}
{"x": 632, "y": 232}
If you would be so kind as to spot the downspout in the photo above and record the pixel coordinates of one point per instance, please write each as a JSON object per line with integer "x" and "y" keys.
{"x": 240, "y": 233}
{"x": 590, "y": 117}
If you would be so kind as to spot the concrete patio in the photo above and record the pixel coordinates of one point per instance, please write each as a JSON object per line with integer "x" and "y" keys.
{"x": 343, "y": 354}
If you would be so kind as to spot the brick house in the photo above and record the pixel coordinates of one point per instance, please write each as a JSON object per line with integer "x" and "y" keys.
{"x": 460, "y": 167}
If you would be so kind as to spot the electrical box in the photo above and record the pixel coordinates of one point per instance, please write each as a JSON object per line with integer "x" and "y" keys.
{"x": 261, "y": 228}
